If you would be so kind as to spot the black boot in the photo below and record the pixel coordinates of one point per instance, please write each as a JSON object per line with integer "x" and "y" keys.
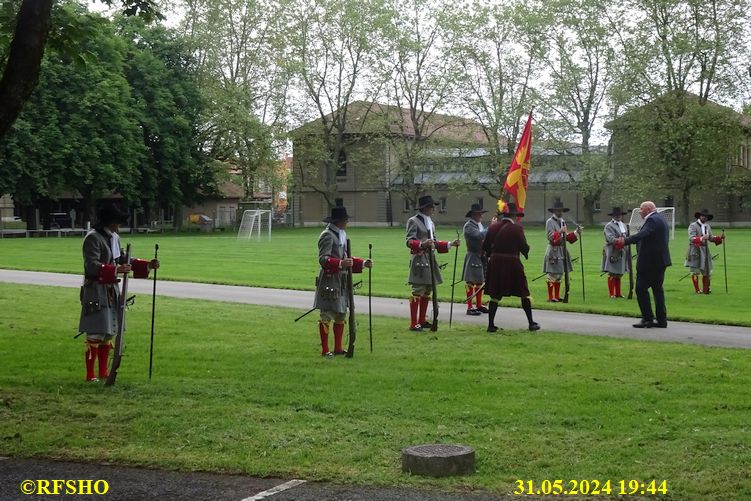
{"x": 492, "y": 308}
{"x": 527, "y": 306}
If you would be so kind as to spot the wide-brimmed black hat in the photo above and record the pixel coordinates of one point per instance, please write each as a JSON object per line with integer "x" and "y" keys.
{"x": 337, "y": 214}
{"x": 426, "y": 201}
{"x": 558, "y": 205}
{"x": 474, "y": 210}
{"x": 111, "y": 213}
{"x": 618, "y": 212}
{"x": 510, "y": 210}
{"x": 705, "y": 213}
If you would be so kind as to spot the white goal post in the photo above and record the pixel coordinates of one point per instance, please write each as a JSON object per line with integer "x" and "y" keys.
{"x": 667, "y": 213}
{"x": 254, "y": 223}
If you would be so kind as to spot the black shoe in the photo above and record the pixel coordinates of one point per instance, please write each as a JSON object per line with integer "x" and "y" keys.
{"x": 482, "y": 309}
{"x": 416, "y": 328}
{"x": 328, "y": 354}
{"x": 426, "y": 325}
{"x": 644, "y": 324}
{"x": 660, "y": 325}
{"x": 534, "y": 326}
{"x": 340, "y": 353}
{"x": 493, "y": 328}
{"x": 472, "y": 312}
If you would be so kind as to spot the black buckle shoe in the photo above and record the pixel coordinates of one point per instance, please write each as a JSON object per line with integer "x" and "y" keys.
{"x": 482, "y": 309}
{"x": 534, "y": 326}
{"x": 644, "y": 324}
{"x": 493, "y": 328}
{"x": 473, "y": 313}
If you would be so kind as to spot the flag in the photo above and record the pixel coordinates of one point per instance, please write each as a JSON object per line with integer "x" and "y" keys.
{"x": 518, "y": 174}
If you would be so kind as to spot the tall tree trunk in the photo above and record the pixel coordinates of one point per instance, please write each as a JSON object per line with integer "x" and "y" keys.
{"x": 24, "y": 60}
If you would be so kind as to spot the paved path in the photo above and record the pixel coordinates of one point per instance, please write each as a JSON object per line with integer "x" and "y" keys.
{"x": 137, "y": 484}
{"x": 508, "y": 318}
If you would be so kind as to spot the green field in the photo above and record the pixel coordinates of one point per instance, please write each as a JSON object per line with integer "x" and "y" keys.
{"x": 289, "y": 260}
{"x": 242, "y": 389}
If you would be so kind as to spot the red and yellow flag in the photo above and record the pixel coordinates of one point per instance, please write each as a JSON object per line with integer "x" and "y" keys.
{"x": 518, "y": 174}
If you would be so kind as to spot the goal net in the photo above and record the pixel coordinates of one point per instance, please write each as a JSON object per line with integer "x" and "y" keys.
{"x": 255, "y": 223}
{"x": 667, "y": 213}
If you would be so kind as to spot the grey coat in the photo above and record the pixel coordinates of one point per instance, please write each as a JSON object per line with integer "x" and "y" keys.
{"x": 475, "y": 264}
{"x": 419, "y": 265}
{"x": 554, "y": 259}
{"x": 696, "y": 256}
{"x": 613, "y": 261}
{"x": 99, "y": 302}
{"x": 331, "y": 288}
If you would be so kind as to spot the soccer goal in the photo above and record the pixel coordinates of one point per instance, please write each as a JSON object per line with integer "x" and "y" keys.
{"x": 254, "y": 223}
{"x": 667, "y": 213}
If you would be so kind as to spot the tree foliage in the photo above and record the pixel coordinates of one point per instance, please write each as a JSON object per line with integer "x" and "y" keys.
{"x": 124, "y": 122}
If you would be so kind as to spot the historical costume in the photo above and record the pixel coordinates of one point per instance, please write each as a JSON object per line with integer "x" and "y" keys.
{"x": 103, "y": 260}
{"x": 332, "y": 296}
{"x": 504, "y": 243}
{"x": 557, "y": 259}
{"x": 615, "y": 259}
{"x": 698, "y": 257}
{"x": 421, "y": 240}
{"x": 475, "y": 264}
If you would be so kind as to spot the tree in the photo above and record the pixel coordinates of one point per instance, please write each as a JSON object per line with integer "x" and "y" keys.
{"x": 23, "y": 59}
{"x": 237, "y": 45}
{"x": 423, "y": 81}
{"x": 80, "y": 129}
{"x": 161, "y": 73}
{"x": 499, "y": 56}
{"x": 333, "y": 48}
{"x": 580, "y": 66}
{"x": 679, "y": 55}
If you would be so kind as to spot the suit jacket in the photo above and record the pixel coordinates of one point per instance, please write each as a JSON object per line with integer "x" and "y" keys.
{"x": 652, "y": 243}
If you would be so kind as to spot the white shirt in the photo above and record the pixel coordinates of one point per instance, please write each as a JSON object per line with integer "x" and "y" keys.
{"x": 114, "y": 244}
{"x": 430, "y": 226}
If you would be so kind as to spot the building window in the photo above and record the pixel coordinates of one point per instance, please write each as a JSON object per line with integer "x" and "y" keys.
{"x": 339, "y": 202}
{"x": 407, "y": 207}
{"x": 596, "y": 206}
{"x": 341, "y": 170}
{"x": 481, "y": 202}
{"x": 741, "y": 204}
{"x": 443, "y": 205}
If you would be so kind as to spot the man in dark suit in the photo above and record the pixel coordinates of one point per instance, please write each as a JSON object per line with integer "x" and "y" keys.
{"x": 653, "y": 257}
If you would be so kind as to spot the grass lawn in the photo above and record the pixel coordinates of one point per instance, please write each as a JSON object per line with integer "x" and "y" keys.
{"x": 289, "y": 260}
{"x": 242, "y": 388}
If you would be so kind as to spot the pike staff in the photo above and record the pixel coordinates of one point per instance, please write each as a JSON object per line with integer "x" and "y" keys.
{"x": 453, "y": 282}
{"x": 370, "y": 295}
{"x": 725, "y": 260}
{"x": 153, "y": 309}
{"x": 581, "y": 261}
{"x": 119, "y": 341}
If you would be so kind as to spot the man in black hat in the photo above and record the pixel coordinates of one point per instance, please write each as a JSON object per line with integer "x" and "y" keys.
{"x": 103, "y": 260}
{"x": 614, "y": 257}
{"x": 474, "y": 268}
{"x": 332, "y": 297}
{"x": 698, "y": 257}
{"x": 557, "y": 259}
{"x": 503, "y": 244}
{"x": 421, "y": 240}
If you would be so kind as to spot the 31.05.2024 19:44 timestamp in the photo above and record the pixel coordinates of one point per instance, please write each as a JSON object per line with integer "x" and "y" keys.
{"x": 590, "y": 487}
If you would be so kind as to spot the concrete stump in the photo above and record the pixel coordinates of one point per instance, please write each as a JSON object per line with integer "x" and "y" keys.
{"x": 438, "y": 460}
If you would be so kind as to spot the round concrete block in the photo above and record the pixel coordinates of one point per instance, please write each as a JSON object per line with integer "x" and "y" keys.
{"x": 438, "y": 460}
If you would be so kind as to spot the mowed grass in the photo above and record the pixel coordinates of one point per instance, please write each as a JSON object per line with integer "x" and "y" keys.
{"x": 289, "y": 260}
{"x": 243, "y": 389}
